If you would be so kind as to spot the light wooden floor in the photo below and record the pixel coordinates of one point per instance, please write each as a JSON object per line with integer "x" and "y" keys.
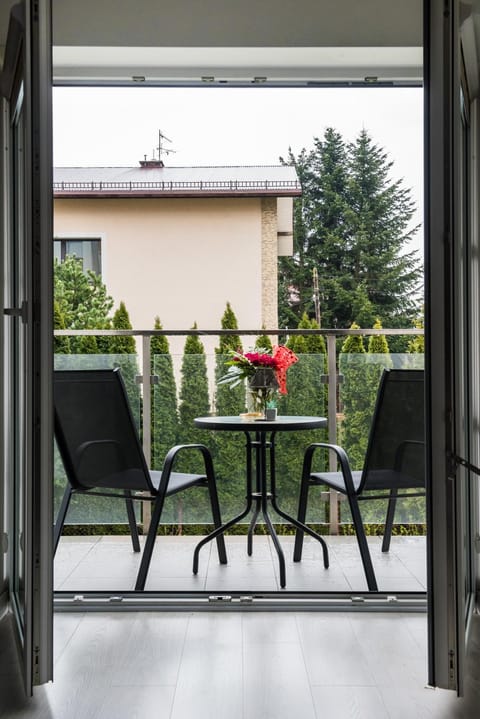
{"x": 109, "y": 564}
{"x": 238, "y": 666}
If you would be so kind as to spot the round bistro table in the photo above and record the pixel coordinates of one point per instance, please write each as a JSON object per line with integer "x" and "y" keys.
{"x": 260, "y": 442}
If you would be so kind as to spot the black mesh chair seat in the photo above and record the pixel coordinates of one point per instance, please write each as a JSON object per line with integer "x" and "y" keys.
{"x": 393, "y": 465}
{"x": 177, "y": 481}
{"x": 102, "y": 455}
{"x": 379, "y": 479}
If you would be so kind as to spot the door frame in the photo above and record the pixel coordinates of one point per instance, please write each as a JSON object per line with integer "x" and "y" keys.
{"x": 27, "y": 66}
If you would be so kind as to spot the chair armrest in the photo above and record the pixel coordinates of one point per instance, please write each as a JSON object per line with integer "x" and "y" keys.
{"x": 342, "y": 458}
{"x": 175, "y": 451}
{"x": 402, "y": 448}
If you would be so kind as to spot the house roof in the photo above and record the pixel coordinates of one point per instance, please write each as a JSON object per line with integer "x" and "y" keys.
{"x": 153, "y": 180}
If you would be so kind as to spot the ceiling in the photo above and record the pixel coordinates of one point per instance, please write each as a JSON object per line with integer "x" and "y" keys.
{"x": 223, "y": 41}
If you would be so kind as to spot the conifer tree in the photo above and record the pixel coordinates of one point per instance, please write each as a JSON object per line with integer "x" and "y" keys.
{"x": 263, "y": 342}
{"x": 353, "y": 224}
{"x": 61, "y": 345}
{"x": 416, "y": 344}
{"x": 122, "y": 344}
{"x": 194, "y": 402}
{"x": 379, "y": 359}
{"x": 126, "y": 359}
{"x": 82, "y": 300}
{"x": 164, "y": 399}
{"x": 306, "y": 396}
{"x": 194, "y": 396}
{"x": 355, "y": 398}
{"x": 228, "y": 401}
{"x": 229, "y": 451}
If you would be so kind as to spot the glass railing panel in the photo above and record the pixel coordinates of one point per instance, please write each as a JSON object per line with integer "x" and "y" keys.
{"x": 360, "y": 374}
{"x": 185, "y": 387}
{"x": 307, "y": 395}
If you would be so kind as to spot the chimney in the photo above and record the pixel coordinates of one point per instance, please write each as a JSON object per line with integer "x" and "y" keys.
{"x": 147, "y": 164}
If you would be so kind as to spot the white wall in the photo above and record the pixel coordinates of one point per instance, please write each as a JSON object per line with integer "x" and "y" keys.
{"x": 180, "y": 259}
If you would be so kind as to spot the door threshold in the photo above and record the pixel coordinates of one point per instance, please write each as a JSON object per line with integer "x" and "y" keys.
{"x": 240, "y": 601}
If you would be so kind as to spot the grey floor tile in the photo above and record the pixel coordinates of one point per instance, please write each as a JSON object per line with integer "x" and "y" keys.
{"x": 133, "y": 702}
{"x": 276, "y": 684}
{"x": 108, "y": 564}
{"x": 153, "y": 653}
{"x": 391, "y": 653}
{"x": 272, "y": 628}
{"x": 332, "y": 654}
{"x": 356, "y": 703}
{"x": 210, "y": 679}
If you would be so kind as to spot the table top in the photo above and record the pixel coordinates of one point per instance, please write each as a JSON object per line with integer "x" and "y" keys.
{"x": 285, "y": 423}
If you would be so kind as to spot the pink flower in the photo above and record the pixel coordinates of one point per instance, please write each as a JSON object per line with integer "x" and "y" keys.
{"x": 261, "y": 360}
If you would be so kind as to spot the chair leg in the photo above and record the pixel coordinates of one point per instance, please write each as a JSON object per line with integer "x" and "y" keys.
{"x": 149, "y": 543}
{"x": 57, "y": 531}
{"x": 362, "y": 544}
{"x": 302, "y": 513}
{"x": 217, "y": 520}
{"x": 132, "y": 522}
{"x": 392, "y": 502}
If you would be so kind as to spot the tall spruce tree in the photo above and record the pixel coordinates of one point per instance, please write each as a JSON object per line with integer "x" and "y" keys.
{"x": 416, "y": 344}
{"x": 228, "y": 448}
{"x": 122, "y": 344}
{"x": 305, "y": 396}
{"x": 126, "y": 359}
{"x": 228, "y": 401}
{"x": 355, "y": 398}
{"x": 353, "y": 224}
{"x": 193, "y": 506}
{"x": 379, "y": 359}
{"x": 194, "y": 395}
{"x": 164, "y": 399}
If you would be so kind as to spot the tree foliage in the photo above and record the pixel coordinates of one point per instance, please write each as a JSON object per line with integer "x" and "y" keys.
{"x": 353, "y": 224}
{"x": 122, "y": 344}
{"x": 164, "y": 399}
{"x": 228, "y": 401}
{"x": 82, "y": 302}
{"x": 355, "y": 397}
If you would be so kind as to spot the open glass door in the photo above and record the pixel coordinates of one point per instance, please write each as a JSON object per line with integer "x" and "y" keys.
{"x": 451, "y": 360}
{"x": 27, "y": 354}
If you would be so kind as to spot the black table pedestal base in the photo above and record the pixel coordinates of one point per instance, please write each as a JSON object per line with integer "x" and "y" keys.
{"x": 260, "y": 500}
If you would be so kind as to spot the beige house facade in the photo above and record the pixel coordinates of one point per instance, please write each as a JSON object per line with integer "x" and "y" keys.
{"x": 162, "y": 236}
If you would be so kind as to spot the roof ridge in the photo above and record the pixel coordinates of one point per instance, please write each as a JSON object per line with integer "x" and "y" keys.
{"x": 167, "y": 167}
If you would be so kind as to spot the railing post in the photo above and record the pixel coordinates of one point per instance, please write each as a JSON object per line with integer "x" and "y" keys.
{"x": 146, "y": 421}
{"x": 332, "y": 426}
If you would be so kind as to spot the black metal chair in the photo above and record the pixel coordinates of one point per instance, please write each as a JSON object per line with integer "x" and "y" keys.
{"x": 394, "y": 461}
{"x": 101, "y": 451}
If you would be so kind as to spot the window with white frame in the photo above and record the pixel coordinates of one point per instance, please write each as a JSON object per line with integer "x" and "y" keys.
{"x": 89, "y": 251}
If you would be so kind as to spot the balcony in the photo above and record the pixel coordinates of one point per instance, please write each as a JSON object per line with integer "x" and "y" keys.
{"x": 95, "y": 552}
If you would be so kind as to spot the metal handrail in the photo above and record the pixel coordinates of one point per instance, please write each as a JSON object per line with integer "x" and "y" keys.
{"x": 172, "y": 185}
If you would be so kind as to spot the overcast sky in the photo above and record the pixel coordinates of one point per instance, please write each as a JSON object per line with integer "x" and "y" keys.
{"x": 117, "y": 127}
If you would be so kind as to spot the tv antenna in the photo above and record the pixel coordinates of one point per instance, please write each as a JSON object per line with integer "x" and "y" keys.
{"x": 162, "y": 150}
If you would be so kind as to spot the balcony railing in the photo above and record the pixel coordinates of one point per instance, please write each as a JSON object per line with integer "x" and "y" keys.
{"x": 336, "y": 385}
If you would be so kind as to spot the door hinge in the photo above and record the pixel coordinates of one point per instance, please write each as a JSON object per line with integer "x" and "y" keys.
{"x": 21, "y": 312}
{"x": 456, "y": 461}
